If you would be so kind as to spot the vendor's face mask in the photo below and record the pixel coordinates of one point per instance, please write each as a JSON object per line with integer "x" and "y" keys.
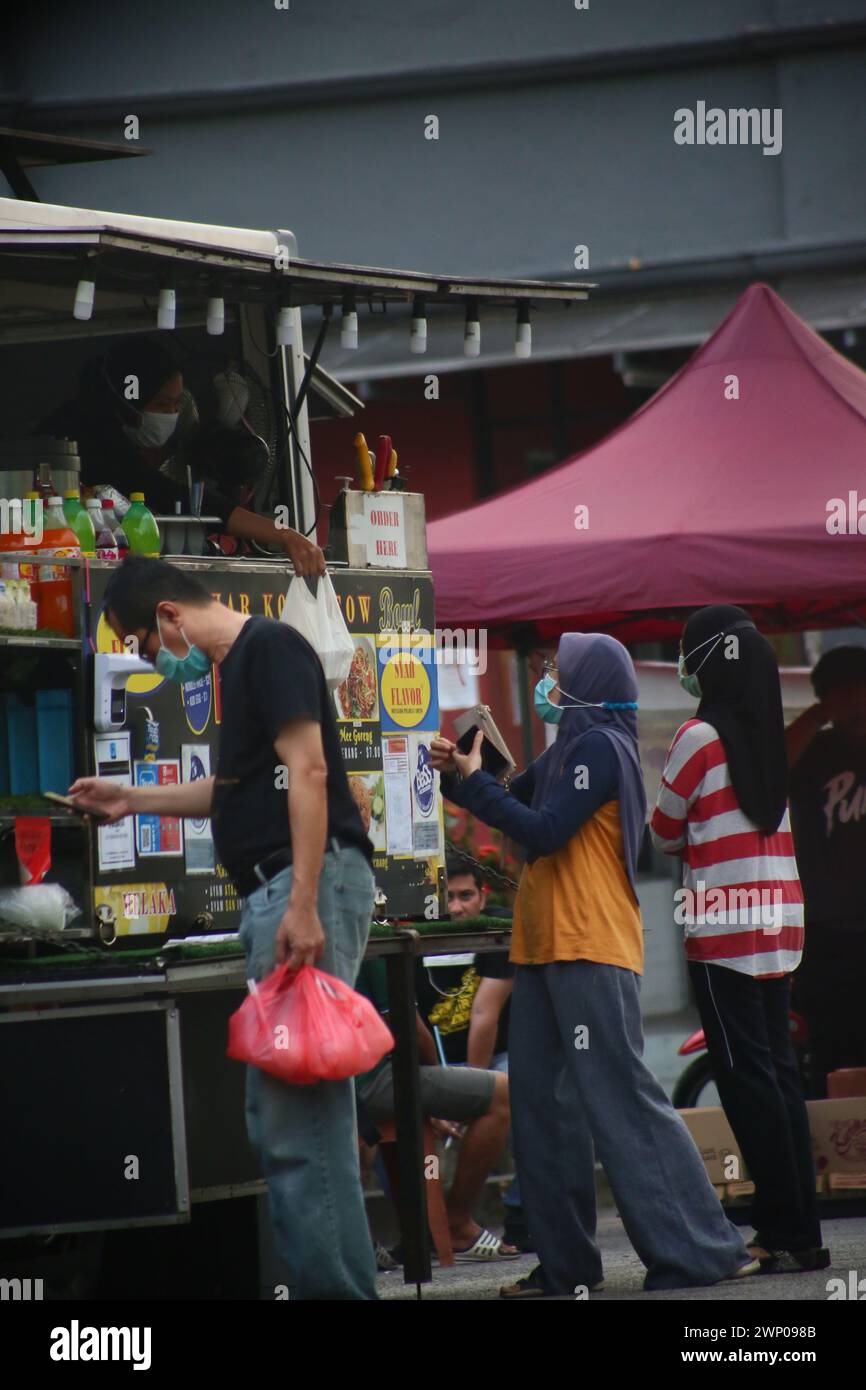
{"x": 154, "y": 430}
{"x": 180, "y": 668}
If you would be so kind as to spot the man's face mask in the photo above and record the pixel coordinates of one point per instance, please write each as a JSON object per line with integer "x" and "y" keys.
{"x": 180, "y": 668}
{"x": 154, "y": 430}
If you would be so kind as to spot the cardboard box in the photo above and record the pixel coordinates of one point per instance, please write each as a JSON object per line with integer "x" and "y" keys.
{"x": 716, "y": 1144}
{"x": 844, "y": 1182}
{"x": 839, "y": 1135}
{"x": 838, "y": 1143}
{"x": 740, "y": 1189}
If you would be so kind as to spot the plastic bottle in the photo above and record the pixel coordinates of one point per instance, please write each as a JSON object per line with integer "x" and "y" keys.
{"x": 141, "y": 528}
{"x": 113, "y": 522}
{"x": 59, "y": 542}
{"x": 79, "y": 521}
{"x": 106, "y": 546}
{"x": 23, "y": 542}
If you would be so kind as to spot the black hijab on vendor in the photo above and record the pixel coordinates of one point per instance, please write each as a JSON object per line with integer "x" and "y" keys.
{"x": 597, "y": 669}
{"x": 741, "y": 697}
{"x": 104, "y": 382}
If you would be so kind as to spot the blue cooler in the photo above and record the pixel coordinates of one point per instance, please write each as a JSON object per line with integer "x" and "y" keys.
{"x": 56, "y": 740}
{"x": 23, "y": 747}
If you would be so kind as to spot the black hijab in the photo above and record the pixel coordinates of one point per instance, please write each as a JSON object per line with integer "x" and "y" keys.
{"x": 741, "y": 697}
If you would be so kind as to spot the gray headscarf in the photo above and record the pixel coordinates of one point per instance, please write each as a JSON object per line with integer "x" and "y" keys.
{"x": 597, "y": 668}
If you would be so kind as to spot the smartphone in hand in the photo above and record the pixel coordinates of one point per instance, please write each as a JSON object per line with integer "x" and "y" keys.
{"x": 69, "y": 804}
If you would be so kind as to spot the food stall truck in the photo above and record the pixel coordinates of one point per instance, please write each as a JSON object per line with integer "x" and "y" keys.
{"x": 119, "y": 1107}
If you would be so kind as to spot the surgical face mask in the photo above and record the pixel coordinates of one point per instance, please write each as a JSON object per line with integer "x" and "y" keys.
{"x": 180, "y": 668}
{"x": 155, "y": 429}
{"x": 544, "y": 708}
{"x": 690, "y": 684}
{"x": 551, "y": 713}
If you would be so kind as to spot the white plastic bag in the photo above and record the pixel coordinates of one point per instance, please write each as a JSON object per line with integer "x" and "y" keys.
{"x": 40, "y": 906}
{"x": 321, "y": 621}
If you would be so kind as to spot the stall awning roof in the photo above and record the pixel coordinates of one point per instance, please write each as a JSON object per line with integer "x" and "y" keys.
{"x": 122, "y": 251}
{"x": 719, "y": 489}
{"x": 631, "y": 319}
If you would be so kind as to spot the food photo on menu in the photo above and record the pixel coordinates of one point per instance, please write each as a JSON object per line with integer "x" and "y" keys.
{"x": 357, "y": 697}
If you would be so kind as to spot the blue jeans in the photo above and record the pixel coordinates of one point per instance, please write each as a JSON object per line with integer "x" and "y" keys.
{"x": 306, "y": 1136}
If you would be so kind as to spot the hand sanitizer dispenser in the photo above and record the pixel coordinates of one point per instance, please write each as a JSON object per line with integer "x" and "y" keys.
{"x": 110, "y": 673}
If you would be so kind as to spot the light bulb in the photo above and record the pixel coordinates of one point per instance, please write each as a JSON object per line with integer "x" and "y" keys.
{"x": 523, "y": 335}
{"x": 216, "y": 316}
{"x": 418, "y": 331}
{"x": 84, "y": 292}
{"x": 349, "y": 329}
{"x": 166, "y": 312}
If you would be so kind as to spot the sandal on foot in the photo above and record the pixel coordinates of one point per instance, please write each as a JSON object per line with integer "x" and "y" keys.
{"x": 486, "y": 1247}
{"x": 533, "y": 1285}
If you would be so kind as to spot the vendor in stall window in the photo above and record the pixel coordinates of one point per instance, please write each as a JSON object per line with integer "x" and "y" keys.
{"x": 132, "y": 444}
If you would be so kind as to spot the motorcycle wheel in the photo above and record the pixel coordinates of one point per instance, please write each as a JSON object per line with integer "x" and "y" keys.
{"x": 694, "y": 1080}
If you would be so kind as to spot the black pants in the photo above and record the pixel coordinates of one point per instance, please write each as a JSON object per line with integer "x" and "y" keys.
{"x": 748, "y": 1038}
{"x": 830, "y": 992}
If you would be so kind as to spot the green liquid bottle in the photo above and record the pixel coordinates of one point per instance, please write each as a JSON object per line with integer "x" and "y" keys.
{"x": 141, "y": 530}
{"x": 79, "y": 521}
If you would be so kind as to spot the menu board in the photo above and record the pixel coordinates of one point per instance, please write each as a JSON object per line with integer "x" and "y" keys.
{"x": 387, "y": 712}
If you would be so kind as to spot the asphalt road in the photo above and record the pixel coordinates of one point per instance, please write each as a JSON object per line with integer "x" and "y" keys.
{"x": 623, "y": 1273}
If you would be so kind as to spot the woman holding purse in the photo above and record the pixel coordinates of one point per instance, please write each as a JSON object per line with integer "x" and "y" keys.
{"x": 579, "y": 1085}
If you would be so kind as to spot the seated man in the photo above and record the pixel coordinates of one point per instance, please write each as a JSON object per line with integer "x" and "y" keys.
{"x": 463, "y": 1094}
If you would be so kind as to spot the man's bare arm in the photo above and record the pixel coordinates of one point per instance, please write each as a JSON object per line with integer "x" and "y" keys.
{"x": 487, "y": 1006}
{"x": 102, "y": 795}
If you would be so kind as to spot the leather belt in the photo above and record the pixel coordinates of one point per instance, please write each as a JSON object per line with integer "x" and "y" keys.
{"x": 264, "y": 871}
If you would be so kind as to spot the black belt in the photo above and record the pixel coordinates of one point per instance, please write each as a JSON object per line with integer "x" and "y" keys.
{"x": 264, "y": 871}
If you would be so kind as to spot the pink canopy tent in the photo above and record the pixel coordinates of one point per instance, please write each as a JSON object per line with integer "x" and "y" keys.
{"x": 719, "y": 489}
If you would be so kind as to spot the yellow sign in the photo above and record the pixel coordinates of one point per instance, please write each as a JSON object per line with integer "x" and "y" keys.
{"x": 135, "y": 909}
{"x": 405, "y": 689}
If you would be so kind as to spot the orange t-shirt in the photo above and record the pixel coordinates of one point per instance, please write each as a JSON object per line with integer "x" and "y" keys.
{"x": 578, "y": 903}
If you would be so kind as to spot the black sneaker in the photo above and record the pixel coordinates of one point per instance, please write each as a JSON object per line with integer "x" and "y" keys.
{"x": 796, "y": 1261}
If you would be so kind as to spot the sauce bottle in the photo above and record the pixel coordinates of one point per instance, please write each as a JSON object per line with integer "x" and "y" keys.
{"x": 106, "y": 546}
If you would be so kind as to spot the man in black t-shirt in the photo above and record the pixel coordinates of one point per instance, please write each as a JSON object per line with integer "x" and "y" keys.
{"x": 828, "y": 819}
{"x": 288, "y": 831}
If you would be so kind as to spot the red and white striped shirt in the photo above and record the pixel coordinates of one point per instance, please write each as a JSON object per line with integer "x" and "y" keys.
{"x": 741, "y": 903}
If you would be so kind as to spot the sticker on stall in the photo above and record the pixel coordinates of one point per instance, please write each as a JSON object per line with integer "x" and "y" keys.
{"x": 158, "y": 835}
{"x": 115, "y": 844}
{"x": 426, "y": 832}
{"x": 134, "y": 909}
{"x": 407, "y": 682}
{"x": 398, "y": 795}
{"x": 197, "y": 699}
{"x": 198, "y": 840}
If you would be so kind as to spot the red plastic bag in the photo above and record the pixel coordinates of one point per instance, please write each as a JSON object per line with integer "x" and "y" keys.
{"x": 306, "y": 1026}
